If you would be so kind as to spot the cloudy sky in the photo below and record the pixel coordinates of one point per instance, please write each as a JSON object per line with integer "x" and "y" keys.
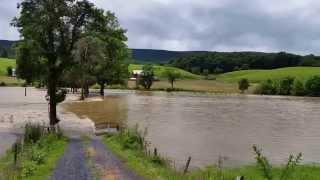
{"x": 214, "y": 25}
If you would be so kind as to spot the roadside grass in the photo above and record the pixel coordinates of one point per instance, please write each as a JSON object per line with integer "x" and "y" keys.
{"x": 256, "y": 76}
{"x": 128, "y": 148}
{"x": 160, "y": 70}
{"x": 35, "y": 160}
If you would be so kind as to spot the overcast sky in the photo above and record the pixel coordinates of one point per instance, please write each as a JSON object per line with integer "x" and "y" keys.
{"x": 214, "y": 25}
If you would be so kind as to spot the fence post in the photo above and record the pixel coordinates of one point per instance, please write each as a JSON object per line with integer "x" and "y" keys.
{"x": 187, "y": 165}
{"x": 155, "y": 152}
{"x": 25, "y": 91}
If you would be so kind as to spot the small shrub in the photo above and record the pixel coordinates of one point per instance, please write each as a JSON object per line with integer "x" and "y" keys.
{"x": 28, "y": 169}
{"x": 158, "y": 160}
{"x": 268, "y": 87}
{"x": 243, "y": 85}
{"x": 298, "y": 88}
{"x": 286, "y": 85}
{"x": 313, "y": 86}
{"x": 9, "y": 71}
{"x": 2, "y": 84}
{"x": 132, "y": 139}
{"x": 33, "y": 133}
{"x": 38, "y": 156}
{"x": 147, "y": 77}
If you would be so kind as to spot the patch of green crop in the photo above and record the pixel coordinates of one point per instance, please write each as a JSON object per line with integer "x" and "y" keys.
{"x": 256, "y": 76}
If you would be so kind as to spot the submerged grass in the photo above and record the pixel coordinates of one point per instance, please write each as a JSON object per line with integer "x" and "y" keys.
{"x": 35, "y": 158}
{"x": 131, "y": 147}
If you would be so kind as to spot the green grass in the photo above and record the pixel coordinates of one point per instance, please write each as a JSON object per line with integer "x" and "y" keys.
{"x": 49, "y": 146}
{"x": 256, "y": 76}
{"x": 4, "y": 63}
{"x": 145, "y": 166}
{"x": 10, "y": 81}
{"x": 159, "y": 71}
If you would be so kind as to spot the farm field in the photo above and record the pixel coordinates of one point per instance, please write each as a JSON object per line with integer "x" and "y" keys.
{"x": 194, "y": 85}
{"x": 4, "y": 63}
{"x": 159, "y": 71}
{"x": 256, "y": 76}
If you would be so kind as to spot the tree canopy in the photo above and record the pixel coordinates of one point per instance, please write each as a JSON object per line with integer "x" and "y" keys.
{"x": 220, "y": 62}
{"x": 54, "y": 27}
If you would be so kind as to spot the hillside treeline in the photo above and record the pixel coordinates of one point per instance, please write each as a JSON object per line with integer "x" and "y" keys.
{"x": 220, "y": 62}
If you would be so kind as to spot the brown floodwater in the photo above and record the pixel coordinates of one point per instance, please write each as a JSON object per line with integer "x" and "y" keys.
{"x": 207, "y": 127}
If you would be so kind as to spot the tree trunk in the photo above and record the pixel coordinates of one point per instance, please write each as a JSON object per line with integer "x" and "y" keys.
{"x": 171, "y": 84}
{"x": 82, "y": 93}
{"x": 86, "y": 90}
{"x": 52, "y": 88}
{"x": 102, "y": 89}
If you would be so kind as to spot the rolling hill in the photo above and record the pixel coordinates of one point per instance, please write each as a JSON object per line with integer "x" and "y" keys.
{"x": 159, "y": 71}
{"x": 256, "y": 76}
{"x": 139, "y": 55}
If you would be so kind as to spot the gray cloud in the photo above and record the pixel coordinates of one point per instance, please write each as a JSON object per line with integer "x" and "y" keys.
{"x": 222, "y": 25}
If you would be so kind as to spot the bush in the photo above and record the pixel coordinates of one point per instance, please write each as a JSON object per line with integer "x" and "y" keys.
{"x": 147, "y": 77}
{"x": 2, "y": 84}
{"x": 28, "y": 169}
{"x": 286, "y": 85}
{"x": 132, "y": 139}
{"x": 9, "y": 71}
{"x": 243, "y": 85}
{"x": 298, "y": 88}
{"x": 33, "y": 133}
{"x": 313, "y": 86}
{"x": 267, "y": 87}
{"x": 38, "y": 156}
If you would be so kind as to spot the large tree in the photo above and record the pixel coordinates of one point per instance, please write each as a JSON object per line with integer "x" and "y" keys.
{"x": 113, "y": 68}
{"x": 87, "y": 56}
{"x": 55, "y": 26}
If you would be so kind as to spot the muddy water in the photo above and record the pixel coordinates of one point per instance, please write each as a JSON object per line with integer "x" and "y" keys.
{"x": 17, "y": 109}
{"x": 207, "y": 127}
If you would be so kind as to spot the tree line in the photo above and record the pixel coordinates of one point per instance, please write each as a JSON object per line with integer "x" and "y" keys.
{"x": 221, "y": 62}
{"x": 290, "y": 86}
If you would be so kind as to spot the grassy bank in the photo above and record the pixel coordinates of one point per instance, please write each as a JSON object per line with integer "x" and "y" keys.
{"x": 33, "y": 160}
{"x": 129, "y": 146}
{"x": 256, "y": 76}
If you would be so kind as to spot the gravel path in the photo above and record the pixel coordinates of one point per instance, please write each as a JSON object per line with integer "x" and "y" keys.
{"x": 73, "y": 164}
{"x": 110, "y": 166}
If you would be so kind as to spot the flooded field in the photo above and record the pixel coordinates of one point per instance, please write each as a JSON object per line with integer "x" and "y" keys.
{"x": 16, "y": 109}
{"x": 207, "y": 127}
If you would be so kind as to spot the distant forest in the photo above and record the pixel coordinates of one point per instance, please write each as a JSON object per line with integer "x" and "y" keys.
{"x": 220, "y": 62}
{"x": 199, "y": 62}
